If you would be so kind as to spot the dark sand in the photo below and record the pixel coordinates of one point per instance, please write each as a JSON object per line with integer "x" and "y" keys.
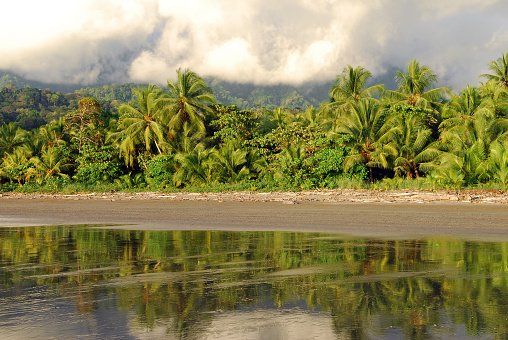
{"x": 384, "y": 220}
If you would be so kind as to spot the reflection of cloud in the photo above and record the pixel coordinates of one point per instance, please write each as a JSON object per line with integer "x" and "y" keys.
{"x": 261, "y": 41}
{"x": 257, "y": 324}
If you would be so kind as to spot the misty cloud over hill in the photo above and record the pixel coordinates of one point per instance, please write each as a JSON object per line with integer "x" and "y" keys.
{"x": 261, "y": 42}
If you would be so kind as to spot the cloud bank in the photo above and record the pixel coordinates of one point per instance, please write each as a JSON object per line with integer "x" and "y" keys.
{"x": 251, "y": 41}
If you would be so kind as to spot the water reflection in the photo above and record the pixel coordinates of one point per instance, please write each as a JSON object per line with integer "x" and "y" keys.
{"x": 65, "y": 281}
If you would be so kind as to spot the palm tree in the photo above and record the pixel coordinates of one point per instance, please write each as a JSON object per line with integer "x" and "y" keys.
{"x": 51, "y": 163}
{"x": 53, "y": 133}
{"x": 414, "y": 86}
{"x": 496, "y": 97}
{"x": 231, "y": 162}
{"x": 140, "y": 125}
{"x": 15, "y": 165}
{"x": 189, "y": 97}
{"x": 351, "y": 85}
{"x": 499, "y": 69}
{"x": 466, "y": 166}
{"x": 364, "y": 122}
{"x": 411, "y": 138}
{"x": 461, "y": 111}
{"x": 11, "y": 136}
{"x": 196, "y": 166}
{"x": 497, "y": 163}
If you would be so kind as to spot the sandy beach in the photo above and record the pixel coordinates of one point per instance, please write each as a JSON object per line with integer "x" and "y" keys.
{"x": 384, "y": 214}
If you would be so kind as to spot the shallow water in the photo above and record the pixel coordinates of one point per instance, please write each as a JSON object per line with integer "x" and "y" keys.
{"x": 79, "y": 281}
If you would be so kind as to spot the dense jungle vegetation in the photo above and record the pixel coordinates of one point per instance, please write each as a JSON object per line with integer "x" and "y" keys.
{"x": 181, "y": 138}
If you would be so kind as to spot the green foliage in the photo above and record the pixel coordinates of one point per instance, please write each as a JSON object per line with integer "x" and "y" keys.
{"x": 233, "y": 124}
{"x": 407, "y": 111}
{"x": 160, "y": 170}
{"x": 97, "y": 163}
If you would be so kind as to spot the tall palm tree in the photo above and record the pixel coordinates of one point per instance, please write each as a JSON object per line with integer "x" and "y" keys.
{"x": 351, "y": 85}
{"x": 415, "y": 86}
{"x": 140, "y": 125}
{"x": 188, "y": 100}
{"x": 499, "y": 69}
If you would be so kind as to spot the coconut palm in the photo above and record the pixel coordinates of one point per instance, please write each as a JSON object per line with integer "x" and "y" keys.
{"x": 188, "y": 100}
{"x": 499, "y": 70}
{"x": 314, "y": 119}
{"x": 196, "y": 167}
{"x": 415, "y": 86}
{"x": 231, "y": 162}
{"x": 351, "y": 85}
{"x": 140, "y": 126}
{"x": 15, "y": 165}
{"x": 52, "y": 162}
{"x": 496, "y": 97}
{"x": 186, "y": 140}
{"x": 11, "y": 136}
{"x": 53, "y": 133}
{"x": 364, "y": 122}
{"x": 461, "y": 111}
{"x": 466, "y": 166}
{"x": 411, "y": 137}
{"x": 497, "y": 162}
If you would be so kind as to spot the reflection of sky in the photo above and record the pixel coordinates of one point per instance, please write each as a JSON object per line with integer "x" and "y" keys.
{"x": 39, "y": 312}
{"x": 257, "y": 324}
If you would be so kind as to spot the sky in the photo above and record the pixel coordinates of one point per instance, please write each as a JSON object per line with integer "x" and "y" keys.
{"x": 264, "y": 42}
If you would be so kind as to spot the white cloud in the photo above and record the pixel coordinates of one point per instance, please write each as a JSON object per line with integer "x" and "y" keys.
{"x": 261, "y": 41}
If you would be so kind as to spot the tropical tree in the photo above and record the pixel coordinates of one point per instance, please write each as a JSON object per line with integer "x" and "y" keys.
{"x": 461, "y": 111}
{"x": 464, "y": 167}
{"x": 231, "y": 162}
{"x": 11, "y": 136}
{"x": 52, "y": 162}
{"x": 499, "y": 70}
{"x": 196, "y": 167}
{"x": 496, "y": 97}
{"x": 15, "y": 165}
{"x": 364, "y": 122}
{"x": 188, "y": 100}
{"x": 53, "y": 133}
{"x": 411, "y": 138}
{"x": 351, "y": 85}
{"x": 83, "y": 124}
{"x": 497, "y": 162}
{"x": 140, "y": 127}
{"x": 415, "y": 86}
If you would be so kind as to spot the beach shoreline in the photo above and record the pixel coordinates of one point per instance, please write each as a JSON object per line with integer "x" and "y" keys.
{"x": 399, "y": 214}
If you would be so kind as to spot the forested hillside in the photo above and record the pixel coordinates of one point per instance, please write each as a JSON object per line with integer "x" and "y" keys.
{"x": 183, "y": 136}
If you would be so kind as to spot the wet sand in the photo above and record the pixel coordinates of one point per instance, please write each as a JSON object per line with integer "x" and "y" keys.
{"x": 399, "y": 220}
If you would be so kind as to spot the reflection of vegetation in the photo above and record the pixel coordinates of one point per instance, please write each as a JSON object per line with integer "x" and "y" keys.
{"x": 186, "y": 276}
